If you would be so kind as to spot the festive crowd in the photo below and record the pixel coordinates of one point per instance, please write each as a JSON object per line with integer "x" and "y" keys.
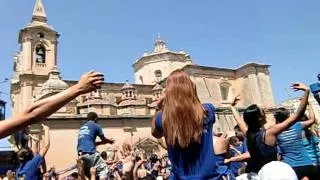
{"x": 288, "y": 150}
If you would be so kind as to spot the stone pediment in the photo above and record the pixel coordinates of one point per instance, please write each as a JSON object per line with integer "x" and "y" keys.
{"x": 132, "y": 102}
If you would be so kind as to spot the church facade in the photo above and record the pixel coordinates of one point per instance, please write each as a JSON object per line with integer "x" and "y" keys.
{"x": 125, "y": 110}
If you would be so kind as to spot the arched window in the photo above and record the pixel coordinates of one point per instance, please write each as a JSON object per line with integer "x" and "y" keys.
{"x": 40, "y": 54}
{"x": 224, "y": 89}
{"x": 40, "y": 35}
{"x": 158, "y": 75}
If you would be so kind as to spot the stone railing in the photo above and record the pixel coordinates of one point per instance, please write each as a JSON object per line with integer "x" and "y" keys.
{"x": 40, "y": 65}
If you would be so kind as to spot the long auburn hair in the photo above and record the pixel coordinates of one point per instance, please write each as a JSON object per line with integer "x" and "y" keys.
{"x": 182, "y": 112}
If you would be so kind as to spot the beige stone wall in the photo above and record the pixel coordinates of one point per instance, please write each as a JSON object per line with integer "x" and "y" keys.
{"x": 63, "y": 136}
{"x": 148, "y": 70}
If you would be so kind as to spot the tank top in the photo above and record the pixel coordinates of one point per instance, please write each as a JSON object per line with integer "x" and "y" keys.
{"x": 260, "y": 152}
{"x": 311, "y": 145}
{"x": 291, "y": 146}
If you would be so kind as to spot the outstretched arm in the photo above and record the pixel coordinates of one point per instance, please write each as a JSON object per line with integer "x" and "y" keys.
{"x": 278, "y": 128}
{"x": 242, "y": 157}
{"x": 237, "y": 117}
{"x": 105, "y": 141}
{"x": 312, "y": 117}
{"x": 44, "y": 108}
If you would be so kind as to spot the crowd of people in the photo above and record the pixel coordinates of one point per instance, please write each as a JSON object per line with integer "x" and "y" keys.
{"x": 288, "y": 150}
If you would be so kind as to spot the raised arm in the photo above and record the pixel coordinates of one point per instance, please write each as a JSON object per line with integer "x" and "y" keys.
{"x": 135, "y": 169}
{"x": 278, "y": 128}
{"x": 242, "y": 157}
{"x": 34, "y": 144}
{"x": 237, "y": 117}
{"x": 44, "y": 108}
{"x": 312, "y": 117}
{"x": 46, "y": 143}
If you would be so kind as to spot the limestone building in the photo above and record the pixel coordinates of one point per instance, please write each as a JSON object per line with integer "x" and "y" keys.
{"x": 125, "y": 109}
{"x": 293, "y": 103}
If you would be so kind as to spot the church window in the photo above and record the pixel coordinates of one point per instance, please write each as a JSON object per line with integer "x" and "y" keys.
{"x": 40, "y": 35}
{"x": 40, "y": 54}
{"x": 141, "y": 79}
{"x": 158, "y": 75}
{"x": 224, "y": 88}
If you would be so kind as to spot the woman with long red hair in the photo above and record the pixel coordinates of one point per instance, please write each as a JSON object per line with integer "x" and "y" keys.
{"x": 186, "y": 125}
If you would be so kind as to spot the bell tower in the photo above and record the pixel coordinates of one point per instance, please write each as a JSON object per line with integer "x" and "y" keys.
{"x": 38, "y": 42}
{"x": 35, "y": 59}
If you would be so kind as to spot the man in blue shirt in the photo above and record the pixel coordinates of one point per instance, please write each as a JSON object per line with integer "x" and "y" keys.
{"x": 30, "y": 163}
{"x": 87, "y": 146}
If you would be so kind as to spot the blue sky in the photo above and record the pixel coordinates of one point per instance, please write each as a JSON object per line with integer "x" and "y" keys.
{"x": 109, "y": 35}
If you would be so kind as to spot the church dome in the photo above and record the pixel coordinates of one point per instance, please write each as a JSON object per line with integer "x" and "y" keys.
{"x": 54, "y": 84}
{"x": 127, "y": 86}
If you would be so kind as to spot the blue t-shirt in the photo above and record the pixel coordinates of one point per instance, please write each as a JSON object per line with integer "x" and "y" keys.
{"x": 31, "y": 169}
{"x": 196, "y": 161}
{"x": 87, "y": 137}
{"x": 242, "y": 148}
{"x": 311, "y": 145}
{"x": 291, "y": 146}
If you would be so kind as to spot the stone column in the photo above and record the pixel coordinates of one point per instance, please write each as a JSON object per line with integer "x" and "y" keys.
{"x": 266, "y": 89}
{"x": 26, "y": 93}
{"x": 254, "y": 89}
{"x": 27, "y": 55}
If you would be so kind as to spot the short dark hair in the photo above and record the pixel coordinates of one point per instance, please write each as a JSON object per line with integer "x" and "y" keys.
{"x": 104, "y": 155}
{"x": 92, "y": 116}
{"x": 281, "y": 114}
{"x": 233, "y": 140}
{"x": 24, "y": 154}
{"x": 237, "y": 127}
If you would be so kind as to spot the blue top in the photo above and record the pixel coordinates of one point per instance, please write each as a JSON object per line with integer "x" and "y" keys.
{"x": 291, "y": 146}
{"x": 260, "y": 152}
{"x": 223, "y": 169}
{"x": 87, "y": 137}
{"x": 196, "y": 161}
{"x": 30, "y": 170}
{"x": 242, "y": 148}
{"x": 311, "y": 145}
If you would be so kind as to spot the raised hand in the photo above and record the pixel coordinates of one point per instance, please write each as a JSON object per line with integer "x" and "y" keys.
{"x": 110, "y": 141}
{"x": 90, "y": 81}
{"x": 299, "y": 86}
{"x": 45, "y": 127}
{"x": 235, "y": 101}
